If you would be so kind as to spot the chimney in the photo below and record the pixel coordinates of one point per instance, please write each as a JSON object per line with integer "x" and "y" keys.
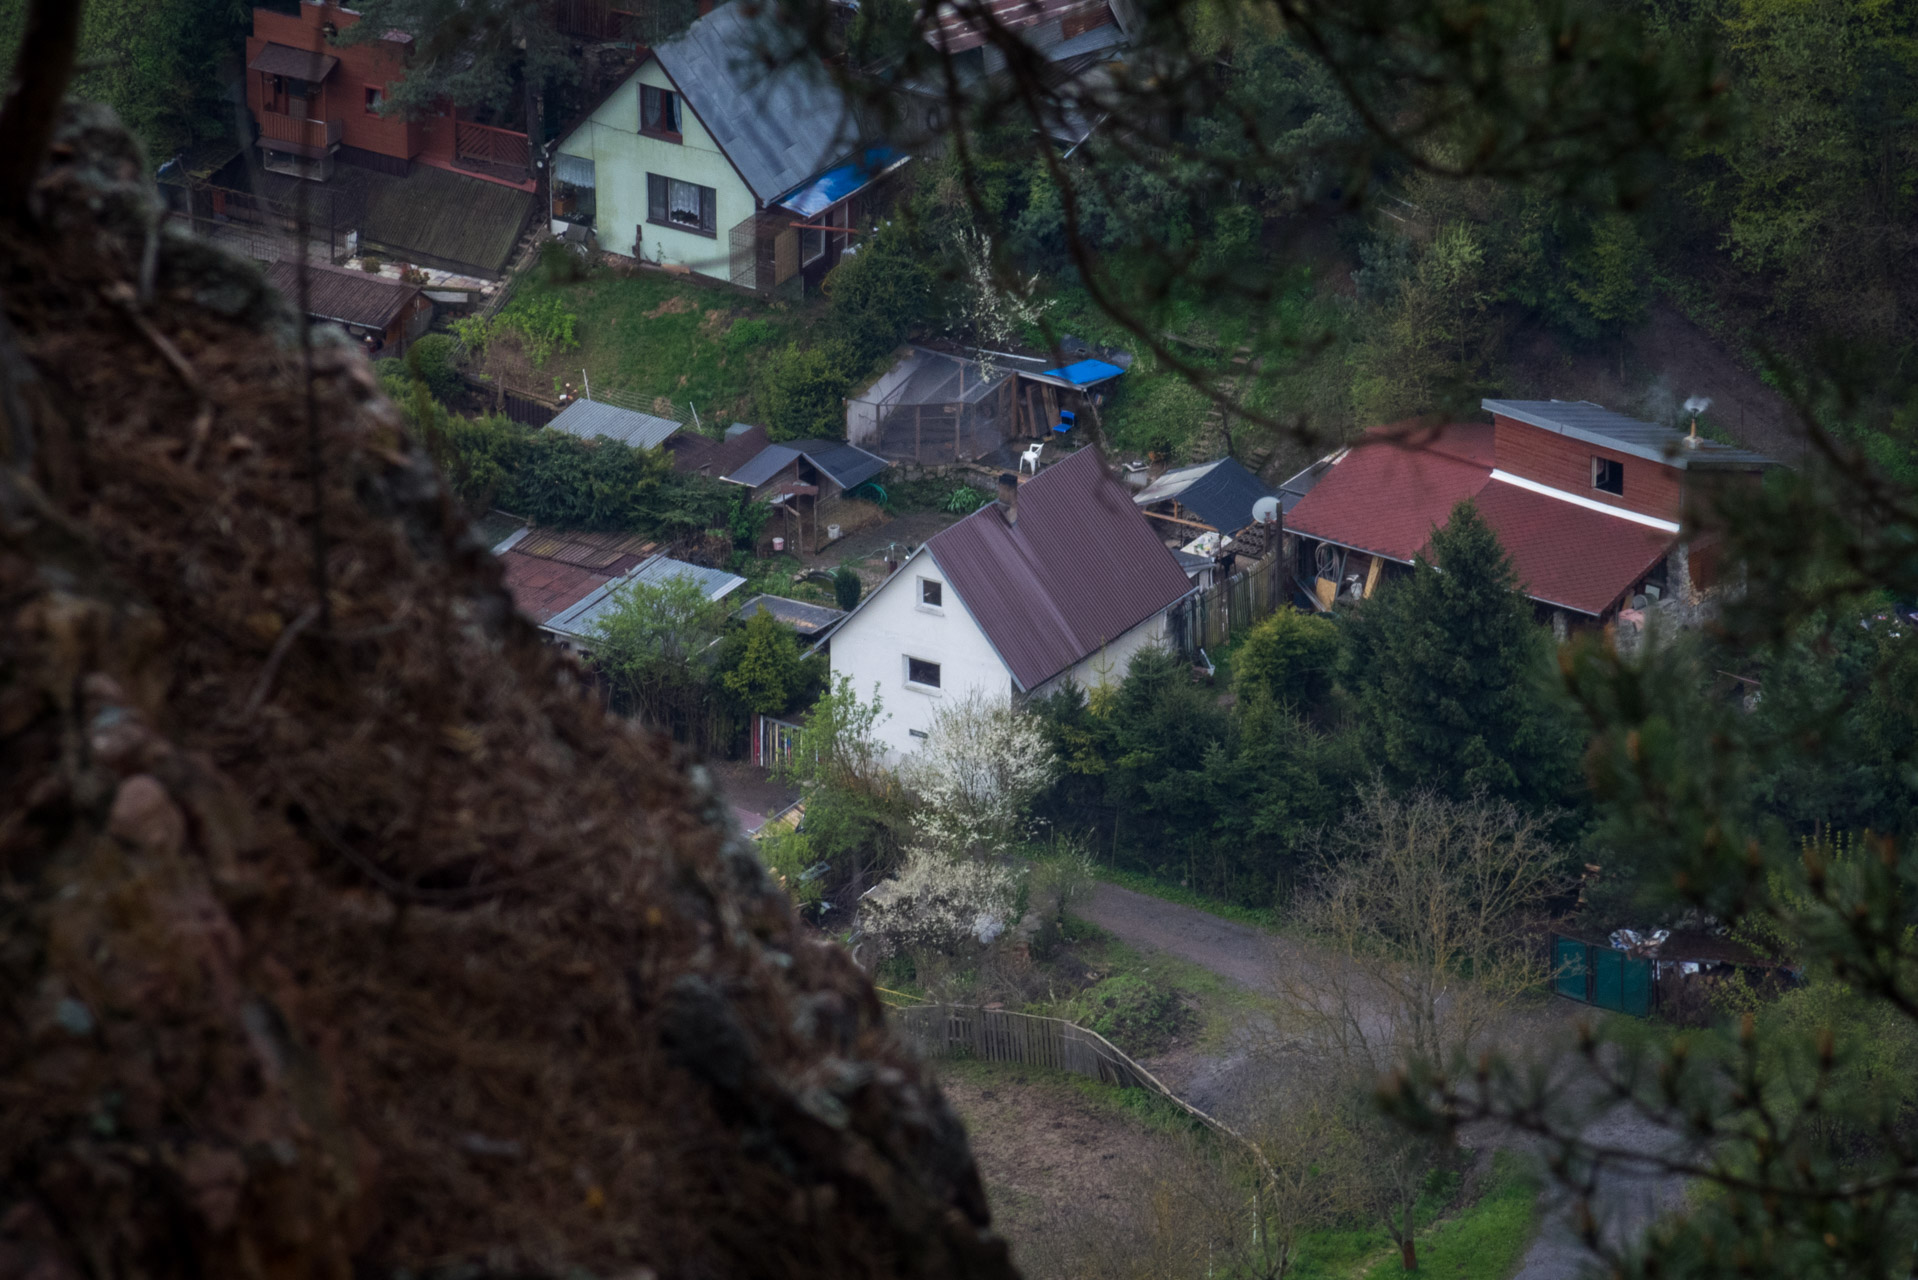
{"x": 1009, "y": 496}
{"x": 705, "y": 7}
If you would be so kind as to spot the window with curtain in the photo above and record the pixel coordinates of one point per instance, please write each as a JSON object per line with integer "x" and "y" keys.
{"x": 686, "y": 206}
{"x": 574, "y": 183}
{"x": 659, "y": 112}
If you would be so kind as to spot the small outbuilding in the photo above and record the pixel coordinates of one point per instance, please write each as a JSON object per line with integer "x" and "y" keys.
{"x": 590, "y": 419}
{"x": 386, "y": 315}
{"x": 1212, "y": 497}
{"x": 809, "y": 481}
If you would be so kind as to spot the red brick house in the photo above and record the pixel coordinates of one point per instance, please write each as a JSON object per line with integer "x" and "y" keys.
{"x": 1589, "y": 504}
{"x": 316, "y": 102}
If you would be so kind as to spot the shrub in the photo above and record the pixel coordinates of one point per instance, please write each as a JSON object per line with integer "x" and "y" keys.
{"x": 745, "y": 335}
{"x": 845, "y": 587}
{"x": 878, "y": 293}
{"x": 1291, "y": 656}
{"x": 805, "y": 390}
{"x": 964, "y": 500}
{"x": 561, "y": 263}
{"x": 1137, "y": 1015}
{"x": 430, "y": 360}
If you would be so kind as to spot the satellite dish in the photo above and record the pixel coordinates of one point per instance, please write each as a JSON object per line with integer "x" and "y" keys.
{"x": 1265, "y": 511}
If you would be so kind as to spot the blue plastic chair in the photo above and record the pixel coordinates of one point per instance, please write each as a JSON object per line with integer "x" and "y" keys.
{"x": 1067, "y": 421}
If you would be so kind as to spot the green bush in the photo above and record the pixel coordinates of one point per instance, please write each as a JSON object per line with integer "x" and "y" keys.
{"x": 1137, "y": 1015}
{"x": 964, "y": 500}
{"x": 845, "y": 587}
{"x": 1290, "y": 656}
{"x": 880, "y": 292}
{"x": 430, "y": 360}
{"x": 805, "y": 390}
{"x": 747, "y": 335}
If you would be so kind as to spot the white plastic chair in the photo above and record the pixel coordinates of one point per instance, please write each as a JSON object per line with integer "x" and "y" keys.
{"x": 1029, "y": 460}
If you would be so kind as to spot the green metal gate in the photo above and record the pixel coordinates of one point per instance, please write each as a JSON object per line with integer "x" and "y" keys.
{"x": 1603, "y": 977}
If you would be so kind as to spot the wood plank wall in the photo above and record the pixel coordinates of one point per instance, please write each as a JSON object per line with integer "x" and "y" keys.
{"x": 1651, "y": 488}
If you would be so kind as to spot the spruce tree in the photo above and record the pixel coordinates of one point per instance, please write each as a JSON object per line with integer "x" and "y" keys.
{"x": 1448, "y": 665}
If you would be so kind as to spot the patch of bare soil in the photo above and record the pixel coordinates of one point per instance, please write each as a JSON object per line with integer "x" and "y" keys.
{"x": 865, "y": 549}
{"x": 1046, "y": 1151}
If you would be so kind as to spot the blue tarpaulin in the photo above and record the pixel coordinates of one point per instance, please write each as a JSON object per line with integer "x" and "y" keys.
{"x": 1085, "y": 373}
{"x": 835, "y": 185}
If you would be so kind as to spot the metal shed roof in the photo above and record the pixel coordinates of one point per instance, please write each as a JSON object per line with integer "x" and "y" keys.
{"x": 1219, "y": 493}
{"x": 589, "y": 419}
{"x": 771, "y": 106}
{"x": 1595, "y": 424}
{"x": 807, "y": 619}
{"x": 847, "y": 465}
{"x": 580, "y": 620}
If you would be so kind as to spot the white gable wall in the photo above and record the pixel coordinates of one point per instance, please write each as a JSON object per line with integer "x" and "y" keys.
{"x": 872, "y": 647}
{"x": 622, "y": 157}
{"x": 1110, "y": 664}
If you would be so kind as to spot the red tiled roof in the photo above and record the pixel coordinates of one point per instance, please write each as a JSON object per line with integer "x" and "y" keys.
{"x": 541, "y": 588}
{"x": 1395, "y": 488}
{"x": 1569, "y": 555}
{"x": 1079, "y": 569}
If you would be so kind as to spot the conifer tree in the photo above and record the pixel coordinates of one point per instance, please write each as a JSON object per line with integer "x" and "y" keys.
{"x": 1448, "y": 665}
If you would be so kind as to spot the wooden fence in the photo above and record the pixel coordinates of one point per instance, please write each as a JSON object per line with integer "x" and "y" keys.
{"x": 999, "y": 1035}
{"x": 940, "y": 1030}
{"x": 1209, "y": 618}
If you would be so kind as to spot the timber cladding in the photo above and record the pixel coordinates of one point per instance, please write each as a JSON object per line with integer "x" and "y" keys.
{"x": 1651, "y": 488}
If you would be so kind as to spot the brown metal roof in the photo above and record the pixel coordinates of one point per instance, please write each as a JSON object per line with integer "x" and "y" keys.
{"x": 301, "y": 64}
{"x": 600, "y": 551}
{"x": 351, "y": 297}
{"x": 1079, "y": 569}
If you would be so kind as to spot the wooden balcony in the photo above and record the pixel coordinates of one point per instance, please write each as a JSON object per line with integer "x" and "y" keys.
{"x": 311, "y": 138}
{"x": 497, "y": 153}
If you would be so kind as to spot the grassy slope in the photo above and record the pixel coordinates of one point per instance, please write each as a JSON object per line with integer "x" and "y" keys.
{"x": 652, "y": 334}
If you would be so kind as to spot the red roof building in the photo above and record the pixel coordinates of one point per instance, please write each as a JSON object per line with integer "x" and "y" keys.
{"x": 315, "y": 101}
{"x": 1588, "y": 504}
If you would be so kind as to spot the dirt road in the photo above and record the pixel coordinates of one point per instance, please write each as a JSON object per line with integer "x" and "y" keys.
{"x": 1226, "y": 1081}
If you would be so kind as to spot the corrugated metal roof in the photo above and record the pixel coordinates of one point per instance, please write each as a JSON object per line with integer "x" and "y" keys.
{"x": 301, "y": 64}
{"x": 541, "y": 588}
{"x": 456, "y": 222}
{"x": 351, "y": 297}
{"x": 581, "y": 619}
{"x": 1595, "y": 424}
{"x": 807, "y": 619}
{"x": 1079, "y": 569}
{"x": 1220, "y": 493}
{"x": 834, "y": 185}
{"x": 771, "y": 107}
{"x": 703, "y": 454}
{"x": 589, "y": 419}
{"x": 601, "y": 551}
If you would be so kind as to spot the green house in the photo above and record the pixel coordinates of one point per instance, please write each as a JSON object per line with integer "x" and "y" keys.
{"x": 728, "y": 152}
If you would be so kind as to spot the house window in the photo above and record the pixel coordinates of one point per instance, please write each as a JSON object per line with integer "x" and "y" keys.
{"x": 1608, "y": 476}
{"x": 931, "y": 593}
{"x": 921, "y": 673}
{"x": 574, "y": 183}
{"x": 812, "y": 245}
{"x": 374, "y": 97}
{"x": 685, "y": 205}
{"x": 659, "y": 113}
{"x": 920, "y": 734}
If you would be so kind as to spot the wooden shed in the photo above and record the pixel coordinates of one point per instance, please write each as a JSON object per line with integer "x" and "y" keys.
{"x": 383, "y": 313}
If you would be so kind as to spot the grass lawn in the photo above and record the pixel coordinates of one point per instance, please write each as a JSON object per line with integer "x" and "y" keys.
{"x": 1480, "y": 1241}
{"x": 654, "y": 335}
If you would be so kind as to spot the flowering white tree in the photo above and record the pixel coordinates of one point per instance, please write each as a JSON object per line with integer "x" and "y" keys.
{"x": 938, "y": 903}
{"x": 982, "y": 765}
{"x": 995, "y": 314}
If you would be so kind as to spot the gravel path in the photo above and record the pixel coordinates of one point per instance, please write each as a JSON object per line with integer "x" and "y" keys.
{"x": 1227, "y": 1082}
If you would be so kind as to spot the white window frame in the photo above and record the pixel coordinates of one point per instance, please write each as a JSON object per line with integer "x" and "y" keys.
{"x": 935, "y": 690}
{"x": 1599, "y": 464}
{"x": 925, "y": 606}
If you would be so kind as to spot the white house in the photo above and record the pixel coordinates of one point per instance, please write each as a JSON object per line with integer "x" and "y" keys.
{"x": 1060, "y": 579}
{"x": 729, "y": 152}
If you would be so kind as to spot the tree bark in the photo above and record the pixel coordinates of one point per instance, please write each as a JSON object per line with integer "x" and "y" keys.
{"x": 39, "y": 82}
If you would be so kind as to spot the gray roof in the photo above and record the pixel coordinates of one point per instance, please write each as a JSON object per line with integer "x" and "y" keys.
{"x": 1595, "y": 424}
{"x": 581, "y": 619}
{"x": 846, "y": 464}
{"x": 807, "y": 619}
{"x": 589, "y": 419}
{"x": 770, "y": 105}
{"x": 1221, "y": 493}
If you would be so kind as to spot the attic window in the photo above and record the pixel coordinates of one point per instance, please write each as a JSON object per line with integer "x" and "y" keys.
{"x": 931, "y": 593}
{"x": 659, "y": 113}
{"x": 1608, "y": 476}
